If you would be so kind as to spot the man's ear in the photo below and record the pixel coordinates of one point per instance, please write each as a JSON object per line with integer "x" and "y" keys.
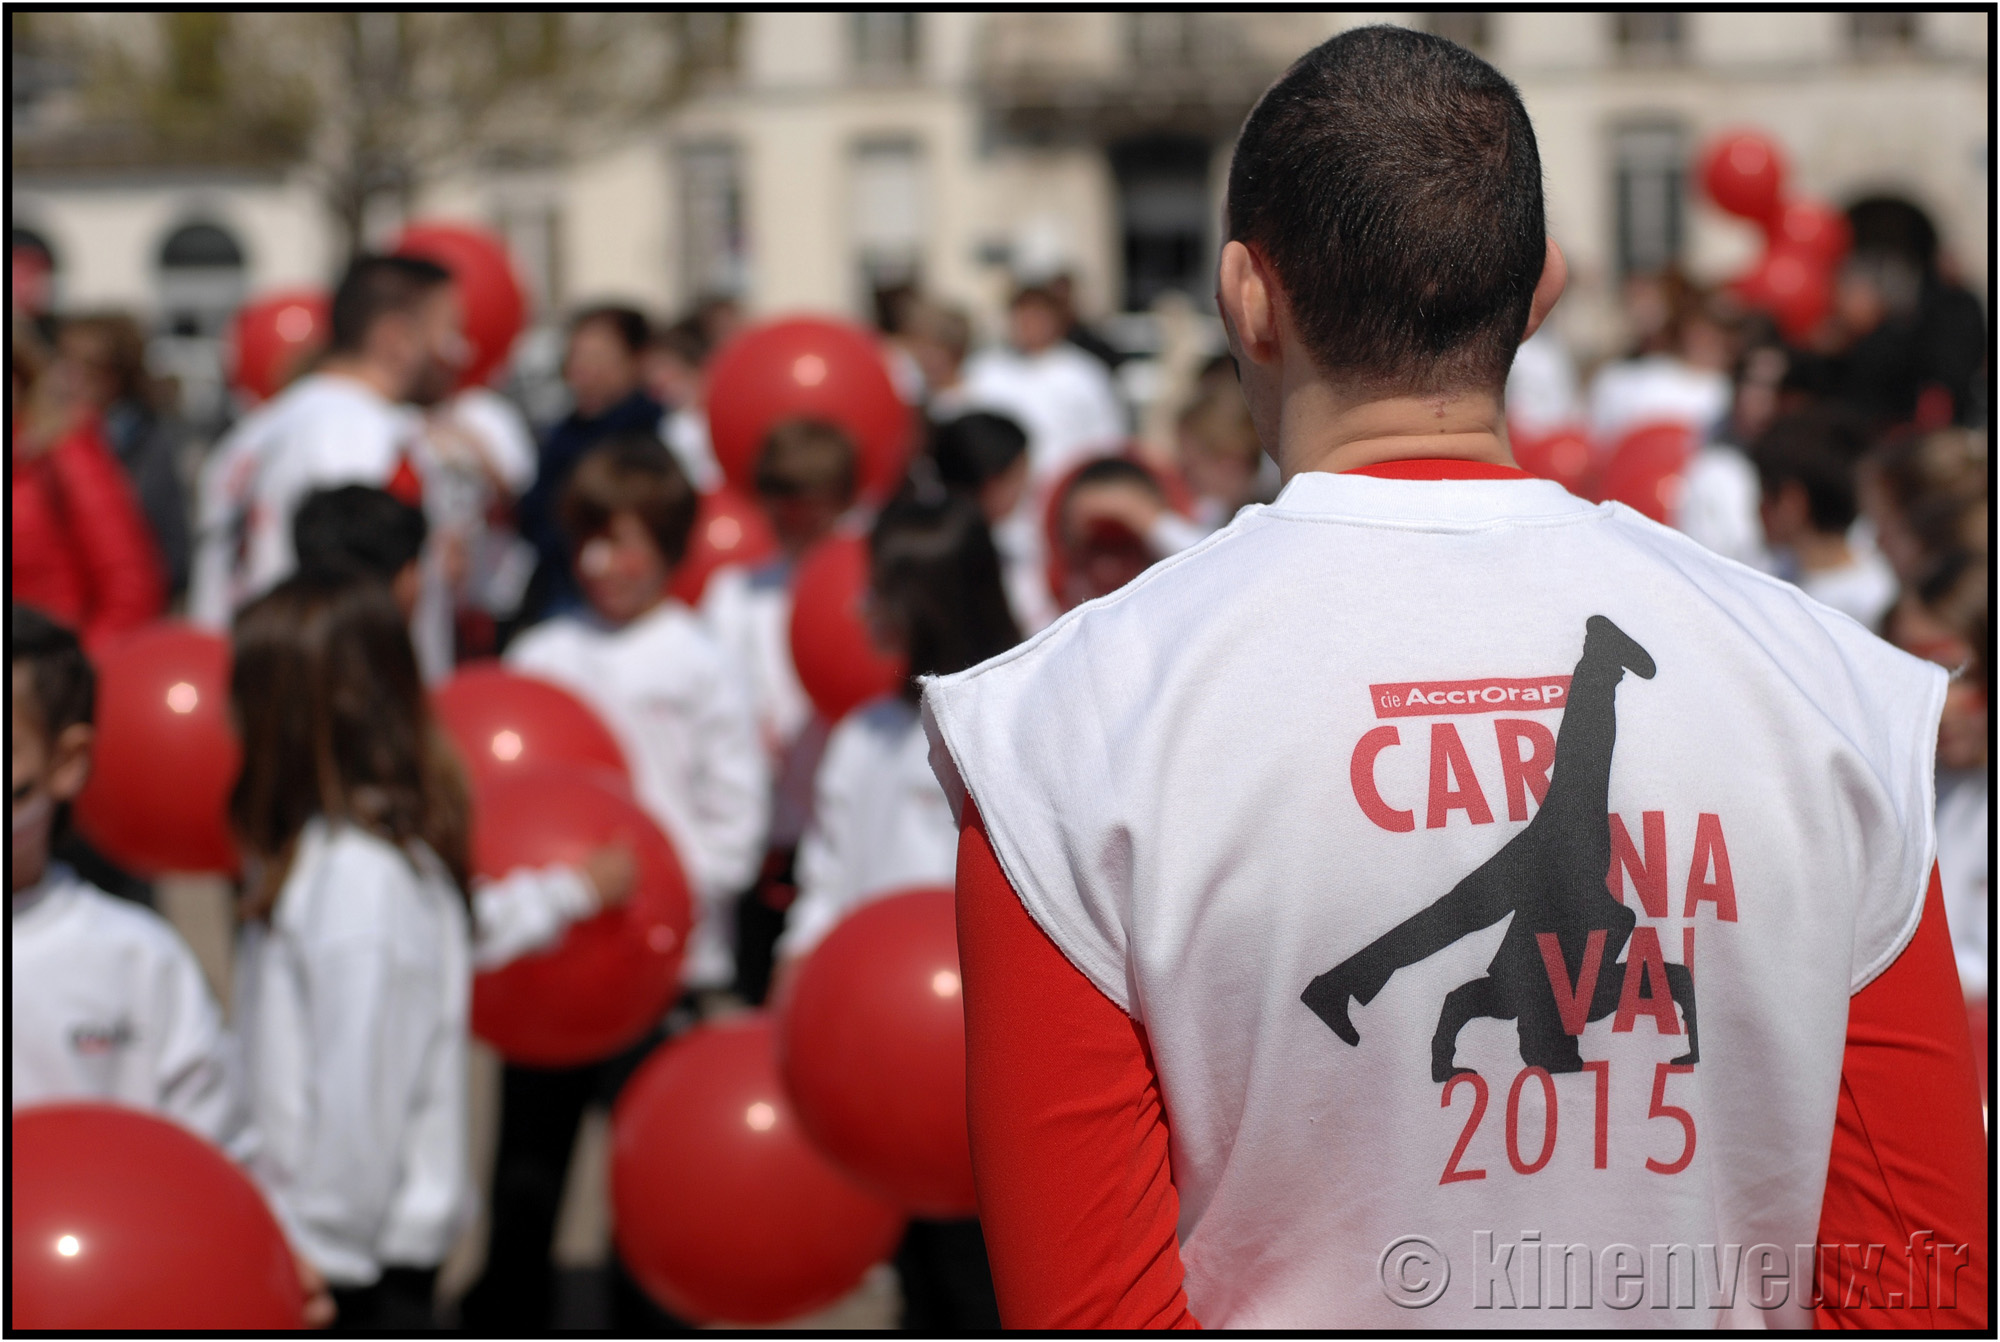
{"x": 69, "y": 761}
{"x": 1555, "y": 275}
{"x": 1247, "y": 299}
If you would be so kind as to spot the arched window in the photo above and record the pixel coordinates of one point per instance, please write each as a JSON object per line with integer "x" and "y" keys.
{"x": 202, "y": 280}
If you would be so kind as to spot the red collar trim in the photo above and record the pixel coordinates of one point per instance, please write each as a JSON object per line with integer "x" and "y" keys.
{"x": 1440, "y": 468}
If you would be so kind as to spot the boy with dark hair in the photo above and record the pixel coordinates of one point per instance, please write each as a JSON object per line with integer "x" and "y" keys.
{"x": 1192, "y": 879}
{"x": 1806, "y": 467}
{"x": 365, "y": 529}
{"x": 395, "y": 346}
{"x": 645, "y": 664}
{"x": 107, "y": 1002}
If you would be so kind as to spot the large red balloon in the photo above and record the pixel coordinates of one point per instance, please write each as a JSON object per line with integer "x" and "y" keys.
{"x": 838, "y": 661}
{"x": 273, "y": 338}
{"x": 728, "y": 529}
{"x": 494, "y": 305}
{"x": 166, "y": 756}
{"x": 1813, "y": 228}
{"x": 871, "y": 1041}
{"x": 503, "y": 723}
{"x": 122, "y": 1221}
{"x": 1794, "y": 285}
{"x": 723, "y": 1210}
{"x": 1646, "y": 469}
{"x": 1564, "y": 456}
{"x": 611, "y": 977}
{"x": 807, "y": 368}
{"x": 1744, "y": 174}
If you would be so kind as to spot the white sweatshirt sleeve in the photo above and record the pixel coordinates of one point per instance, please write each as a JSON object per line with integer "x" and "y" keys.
{"x": 195, "y": 1071}
{"x": 826, "y": 882}
{"x": 731, "y": 793}
{"x": 221, "y": 499}
{"x": 525, "y": 911}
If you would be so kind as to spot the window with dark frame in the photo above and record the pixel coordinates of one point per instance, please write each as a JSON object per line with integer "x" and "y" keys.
{"x": 1649, "y": 191}
{"x": 714, "y": 256}
{"x": 1649, "y": 37}
{"x": 884, "y": 42}
{"x": 1882, "y": 32}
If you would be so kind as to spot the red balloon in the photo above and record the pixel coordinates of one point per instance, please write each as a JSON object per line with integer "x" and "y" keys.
{"x": 1744, "y": 174}
{"x": 838, "y": 662}
{"x": 273, "y": 337}
{"x": 808, "y": 368}
{"x": 166, "y": 756}
{"x": 611, "y": 976}
{"x": 871, "y": 1041}
{"x": 723, "y": 1210}
{"x": 123, "y": 1221}
{"x": 503, "y": 723}
{"x": 1646, "y": 468}
{"x": 495, "y": 308}
{"x": 728, "y": 529}
{"x": 1563, "y": 456}
{"x": 1794, "y": 285}
{"x": 1813, "y": 228}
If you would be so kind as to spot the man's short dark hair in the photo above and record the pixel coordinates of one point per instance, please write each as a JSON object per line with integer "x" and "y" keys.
{"x": 1819, "y": 449}
{"x": 807, "y": 458}
{"x": 975, "y": 448}
{"x": 357, "y": 527}
{"x": 63, "y": 683}
{"x": 630, "y": 472}
{"x": 1390, "y": 179}
{"x": 375, "y": 287}
{"x": 627, "y": 325}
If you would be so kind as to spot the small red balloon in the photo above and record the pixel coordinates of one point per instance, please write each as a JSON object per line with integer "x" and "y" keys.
{"x": 808, "y": 368}
{"x": 871, "y": 1041}
{"x": 503, "y": 722}
{"x": 723, "y": 1210}
{"x": 610, "y": 977}
{"x": 1813, "y": 228}
{"x": 1794, "y": 285}
{"x": 838, "y": 662}
{"x": 491, "y": 296}
{"x": 1744, "y": 174}
{"x": 166, "y": 756}
{"x": 1564, "y": 456}
{"x": 122, "y": 1221}
{"x": 728, "y": 529}
{"x": 274, "y": 337}
{"x": 1646, "y": 468}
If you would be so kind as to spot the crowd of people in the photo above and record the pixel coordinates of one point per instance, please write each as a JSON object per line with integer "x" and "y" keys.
{"x": 375, "y": 525}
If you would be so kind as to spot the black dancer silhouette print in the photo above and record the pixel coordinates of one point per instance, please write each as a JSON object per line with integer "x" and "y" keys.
{"x": 1551, "y": 877}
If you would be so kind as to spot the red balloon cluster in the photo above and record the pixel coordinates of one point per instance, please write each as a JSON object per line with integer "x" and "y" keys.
{"x": 1743, "y": 173}
{"x": 611, "y": 976}
{"x": 125, "y": 1222}
{"x": 871, "y": 1040}
{"x": 166, "y": 755}
{"x": 495, "y": 308}
{"x": 723, "y": 1210}
{"x": 274, "y": 337}
{"x": 808, "y": 368}
{"x": 837, "y": 659}
{"x": 728, "y": 529}
{"x": 504, "y": 723}
{"x": 1564, "y": 456}
{"x": 1646, "y": 468}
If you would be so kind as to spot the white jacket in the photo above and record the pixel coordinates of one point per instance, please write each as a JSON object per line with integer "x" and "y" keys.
{"x": 352, "y": 1003}
{"x": 679, "y": 709}
{"x": 880, "y": 822}
{"x": 106, "y": 1002}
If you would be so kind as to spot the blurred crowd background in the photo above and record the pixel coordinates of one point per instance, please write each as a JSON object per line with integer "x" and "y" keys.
{"x": 1025, "y": 208}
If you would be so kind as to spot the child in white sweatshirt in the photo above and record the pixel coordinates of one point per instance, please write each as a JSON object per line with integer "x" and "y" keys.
{"x": 680, "y": 709}
{"x": 354, "y": 965}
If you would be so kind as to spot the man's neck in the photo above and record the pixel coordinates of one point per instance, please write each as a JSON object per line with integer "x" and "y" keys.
{"x": 369, "y": 375}
{"x": 1322, "y": 431}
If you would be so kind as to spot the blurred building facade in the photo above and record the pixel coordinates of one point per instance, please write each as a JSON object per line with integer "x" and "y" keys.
{"x": 832, "y": 153}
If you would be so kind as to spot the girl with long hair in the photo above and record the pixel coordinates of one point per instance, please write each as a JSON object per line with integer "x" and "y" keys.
{"x": 354, "y": 965}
